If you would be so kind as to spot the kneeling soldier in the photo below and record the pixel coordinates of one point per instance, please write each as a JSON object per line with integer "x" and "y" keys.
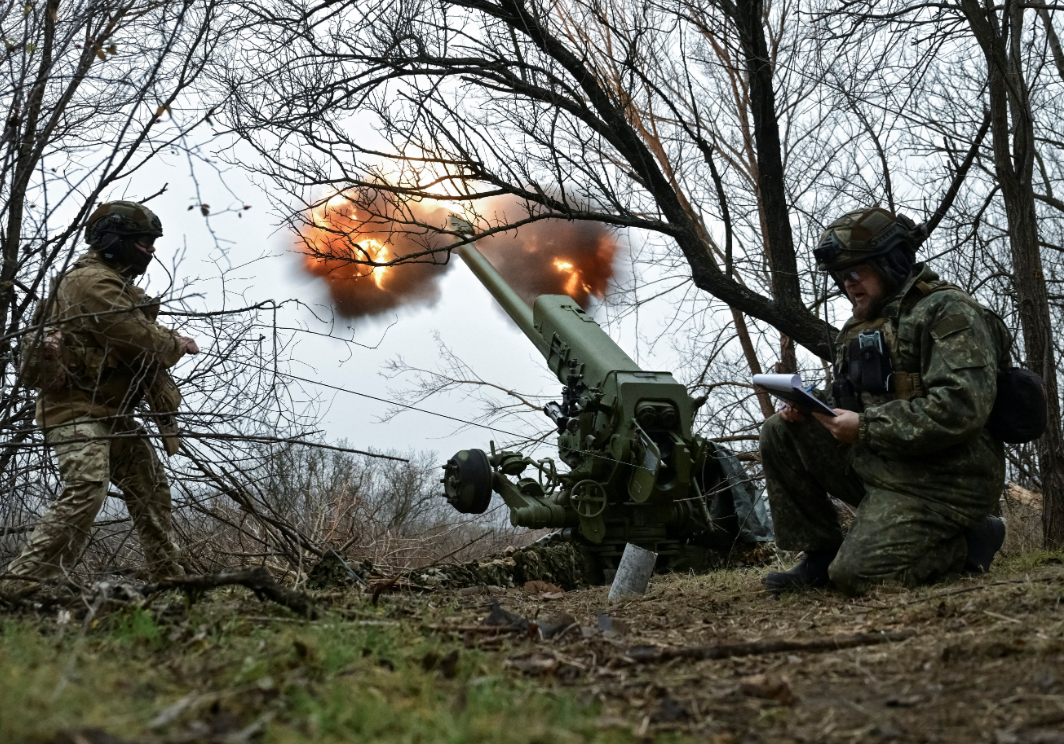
{"x": 914, "y": 382}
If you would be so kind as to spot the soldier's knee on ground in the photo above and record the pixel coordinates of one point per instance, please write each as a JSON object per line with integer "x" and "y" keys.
{"x": 866, "y": 559}
{"x": 846, "y": 575}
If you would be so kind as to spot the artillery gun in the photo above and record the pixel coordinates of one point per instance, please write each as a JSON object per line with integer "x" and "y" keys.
{"x": 636, "y": 473}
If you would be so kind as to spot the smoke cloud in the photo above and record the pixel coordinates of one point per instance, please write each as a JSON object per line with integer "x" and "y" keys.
{"x": 555, "y": 257}
{"x": 341, "y": 230}
{"x": 548, "y": 257}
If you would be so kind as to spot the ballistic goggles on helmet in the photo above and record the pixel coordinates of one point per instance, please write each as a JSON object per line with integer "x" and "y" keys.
{"x": 844, "y": 275}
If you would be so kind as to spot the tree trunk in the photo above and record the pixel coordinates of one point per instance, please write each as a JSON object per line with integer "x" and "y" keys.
{"x": 748, "y": 16}
{"x": 1013, "y": 143}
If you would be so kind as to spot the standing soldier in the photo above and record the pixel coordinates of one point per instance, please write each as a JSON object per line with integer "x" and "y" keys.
{"x": 915, "y": 380}
{"x": 98, "y": 354}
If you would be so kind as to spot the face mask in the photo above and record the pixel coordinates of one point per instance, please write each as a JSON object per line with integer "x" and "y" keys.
{"x": 125, "y": 253}
{"x": 136, "y": 259}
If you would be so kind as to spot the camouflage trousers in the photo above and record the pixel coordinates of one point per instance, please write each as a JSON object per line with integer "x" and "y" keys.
{"x": 905, "y": 532}
{"x": 86, "y": 468}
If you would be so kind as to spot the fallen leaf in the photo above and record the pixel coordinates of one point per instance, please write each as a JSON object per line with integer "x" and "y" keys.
{"x": 905, "y": 702}
{"x": 533, "y": 664}
{"x": 607, "y": 623}
{"x": 500, "y": 618}
{"x": 222, "y": 722}
{"x": 383, "y": 586}
{"x": 304, "y": 650}
{"x": 468, "y": 591}
{"x": 429, "y": 661}
{"x": 768, "y": 687}
{"x": 555, "y": 624}
{"x": 671, "y": 710}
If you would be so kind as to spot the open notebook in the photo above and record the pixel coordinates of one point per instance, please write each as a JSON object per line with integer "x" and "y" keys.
{"x": 791, "y": 389}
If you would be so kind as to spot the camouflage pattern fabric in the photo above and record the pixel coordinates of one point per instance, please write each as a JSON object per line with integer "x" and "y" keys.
{"x": 112, "y": 343}
{"x": 857, "y": 236}
{"x": 121, "y": 455}
{"x": 113, "y": 350}
{"x": 924, "y": 469}
{"x": 895, "y": 536}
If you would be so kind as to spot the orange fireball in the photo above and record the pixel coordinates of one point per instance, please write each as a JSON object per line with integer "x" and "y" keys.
{"x": 344, "y": 244}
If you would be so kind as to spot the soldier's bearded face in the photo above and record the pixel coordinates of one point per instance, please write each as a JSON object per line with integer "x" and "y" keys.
{"x": 865, "y": 289}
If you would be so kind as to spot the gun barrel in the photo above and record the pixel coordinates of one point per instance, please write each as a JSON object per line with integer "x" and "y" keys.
{"x": 503, "y": 293}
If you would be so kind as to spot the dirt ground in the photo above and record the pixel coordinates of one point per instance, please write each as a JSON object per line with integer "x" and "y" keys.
{"x": 982, "y": 661}
{"x": 985, "y": 663}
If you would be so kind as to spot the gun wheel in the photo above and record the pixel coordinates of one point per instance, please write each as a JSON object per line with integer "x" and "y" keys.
{"x": 467, "y": 481}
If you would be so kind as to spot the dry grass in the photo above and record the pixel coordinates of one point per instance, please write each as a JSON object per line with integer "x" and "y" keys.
{"x": 984, "y": 665}
{"x": 305, "y": 503}
{"x": 1022, "y": 511}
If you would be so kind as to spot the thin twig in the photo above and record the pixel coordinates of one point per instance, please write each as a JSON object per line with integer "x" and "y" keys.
{"x": 659, "y": 654}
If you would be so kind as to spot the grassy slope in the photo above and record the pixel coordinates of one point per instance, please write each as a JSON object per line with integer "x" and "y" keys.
{"x": 225, "y": 667}
{"x": 988, "y": 658}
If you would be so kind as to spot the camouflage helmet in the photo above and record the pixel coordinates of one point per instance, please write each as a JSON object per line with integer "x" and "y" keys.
{"x": 123, "y": 218}
{"x": 864, "y": 234}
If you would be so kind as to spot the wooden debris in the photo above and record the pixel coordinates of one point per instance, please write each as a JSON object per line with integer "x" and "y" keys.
{"x": 257, "y": 580}
{"x": 659, "y": 654}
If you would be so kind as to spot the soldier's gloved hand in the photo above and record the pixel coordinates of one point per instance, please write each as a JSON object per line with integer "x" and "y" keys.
{"x": 845, "y": 427}
{"x": 791, "y": 414}
{"x": 188, "y": 345}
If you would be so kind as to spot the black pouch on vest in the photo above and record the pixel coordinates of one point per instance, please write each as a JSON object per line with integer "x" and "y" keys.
{"x": 870, "y": 368}
{"x": 1021, "y": 410}
{"x": 844, "y": 396}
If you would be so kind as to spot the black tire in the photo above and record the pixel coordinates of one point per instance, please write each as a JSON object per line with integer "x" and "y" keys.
{"x": 467, "y": 481}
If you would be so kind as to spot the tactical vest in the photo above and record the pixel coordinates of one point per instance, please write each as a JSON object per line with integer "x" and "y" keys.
{"x": 879, "y": 360}
{"x": 42, "y": 352}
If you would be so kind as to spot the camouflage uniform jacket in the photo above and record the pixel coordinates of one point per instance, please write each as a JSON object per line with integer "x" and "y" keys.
{"x": 112, "y": 343}
{"x": 928, "y": 436}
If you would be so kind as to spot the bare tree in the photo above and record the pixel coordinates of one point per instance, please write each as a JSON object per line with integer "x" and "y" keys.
{"x": 96, "y": 91}
{"x": 571, "y": 109}
{"x": 1001, "y": 38}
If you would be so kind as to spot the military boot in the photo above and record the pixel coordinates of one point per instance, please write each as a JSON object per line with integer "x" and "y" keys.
{"x": 811, "y": 572}
{"x": 984, "y": 541}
